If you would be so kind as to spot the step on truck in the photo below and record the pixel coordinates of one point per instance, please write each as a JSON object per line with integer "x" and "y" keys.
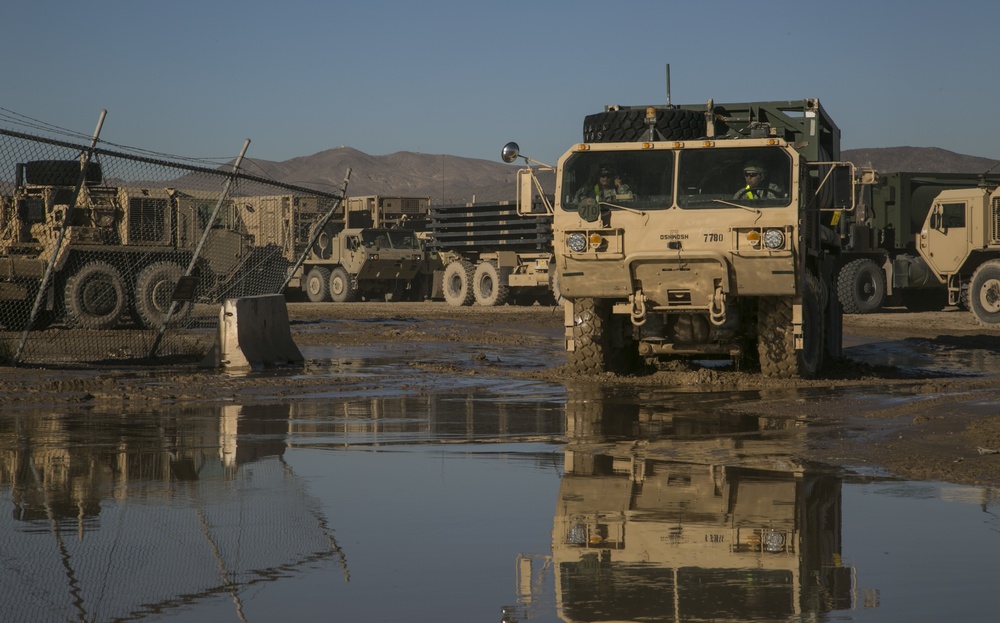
{"x": 372, "y": 248}
{"x": 711, "y": 236}
{"x": 960, "y": 242}
{"x": 495, "y": 253}
{"x": 879, "y": 264}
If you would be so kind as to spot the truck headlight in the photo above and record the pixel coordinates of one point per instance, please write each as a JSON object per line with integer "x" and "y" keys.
{"x": 577, "y": 242}
{"x": 774, "y": 239}
{"x": 773, "y": 541}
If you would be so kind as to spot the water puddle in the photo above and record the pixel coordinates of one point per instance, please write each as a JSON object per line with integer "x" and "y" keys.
{"x": 524, "y": 501}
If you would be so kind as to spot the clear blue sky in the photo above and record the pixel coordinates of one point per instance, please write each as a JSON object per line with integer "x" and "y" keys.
{"x": 195, "y": 78}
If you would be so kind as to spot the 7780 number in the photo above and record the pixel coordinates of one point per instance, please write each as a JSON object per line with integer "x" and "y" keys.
{"x": 713, "y": 237}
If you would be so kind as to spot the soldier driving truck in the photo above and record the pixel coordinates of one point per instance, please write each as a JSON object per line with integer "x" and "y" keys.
{"x": 681, "y": 268}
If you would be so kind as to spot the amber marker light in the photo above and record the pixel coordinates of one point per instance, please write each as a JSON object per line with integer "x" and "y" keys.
{"x": 596, "y": 240}
{"x": 753, "y": 237}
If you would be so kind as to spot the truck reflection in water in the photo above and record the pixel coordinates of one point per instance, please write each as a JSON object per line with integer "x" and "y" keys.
{"x": 123, "y": 517}
{"x": 665, "y": 515}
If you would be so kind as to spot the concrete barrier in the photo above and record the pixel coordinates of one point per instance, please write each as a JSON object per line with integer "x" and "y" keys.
{"x": 253, "y": 332}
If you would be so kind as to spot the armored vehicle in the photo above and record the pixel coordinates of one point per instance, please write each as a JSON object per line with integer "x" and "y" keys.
{"x": 710, "y": 235}
{"x": 122, "y": 254}
{"x": 372, "y": 248}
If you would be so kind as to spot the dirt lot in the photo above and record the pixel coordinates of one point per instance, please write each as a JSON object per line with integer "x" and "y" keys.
{"x": 933, "y": 421}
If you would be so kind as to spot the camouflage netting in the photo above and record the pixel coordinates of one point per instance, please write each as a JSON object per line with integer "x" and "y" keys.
{"x": 109, "y": 255}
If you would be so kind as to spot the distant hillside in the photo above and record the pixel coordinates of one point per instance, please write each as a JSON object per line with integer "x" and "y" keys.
{"x": 452, "y": 179}
{"x": 917, "y": 160}
{"x": 445, "y": 179}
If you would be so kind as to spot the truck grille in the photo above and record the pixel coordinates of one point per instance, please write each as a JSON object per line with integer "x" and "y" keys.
{"x": 146, "y": 219}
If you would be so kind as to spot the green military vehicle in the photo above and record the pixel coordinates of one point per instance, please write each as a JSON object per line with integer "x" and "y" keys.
{"x": 684, "y": 254}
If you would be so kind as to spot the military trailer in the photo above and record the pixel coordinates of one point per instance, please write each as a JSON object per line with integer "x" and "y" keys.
{"x": 880, "y": 264}
{"x": 687, "y": 254}
{"x": 370, "y": 249}
{"x": 960, "y": 242}
{"x": 122, "y": 254}
{"x": 494, "y": 253}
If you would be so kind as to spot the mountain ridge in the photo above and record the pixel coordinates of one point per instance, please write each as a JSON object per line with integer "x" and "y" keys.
{"x": 448, "y": 179}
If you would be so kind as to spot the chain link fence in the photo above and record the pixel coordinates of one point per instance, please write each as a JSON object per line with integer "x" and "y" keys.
{"x": 112, "y": 255}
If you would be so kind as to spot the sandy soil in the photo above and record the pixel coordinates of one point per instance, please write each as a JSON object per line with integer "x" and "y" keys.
{"x": 928, "y": 423}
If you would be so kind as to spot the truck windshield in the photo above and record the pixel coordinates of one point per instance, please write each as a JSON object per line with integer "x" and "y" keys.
{"x": 390, "y": 238}
{"x": 752, "y": 176}
{"x": 631, "y": 179}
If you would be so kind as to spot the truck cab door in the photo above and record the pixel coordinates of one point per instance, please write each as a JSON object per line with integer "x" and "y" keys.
{"x": 353, "y": 253}
{"x": 945, "y": 240}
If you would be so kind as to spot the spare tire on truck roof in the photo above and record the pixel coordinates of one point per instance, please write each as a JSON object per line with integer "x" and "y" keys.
{"x": 629, "y": 125}
{"x": 60, "y": 173}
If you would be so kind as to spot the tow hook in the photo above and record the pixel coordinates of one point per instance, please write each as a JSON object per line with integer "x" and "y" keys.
{"x": 638, "y": 301}
{"x": 717, "y": 313}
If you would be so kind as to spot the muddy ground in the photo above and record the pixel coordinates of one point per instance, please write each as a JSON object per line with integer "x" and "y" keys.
{"x": 933, "y": 421}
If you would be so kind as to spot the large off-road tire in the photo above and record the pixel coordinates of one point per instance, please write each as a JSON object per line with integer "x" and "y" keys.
{"x": 591, "y": 338}
{"x": 342, "y": 287}
{"x": 861, "y": 287}
{"x": 96, "y": 297}
{"x": 60, "y": 173}
{"x": 984, "y": 293}
{"x": 457, "y": 283}
{"x": 925, "y": 299}
{"x": 618, "y": 126}
{"x": 317, "y": 284}
{"x": 154, "y": 290}
{"x": 490, "y": 284}
{"x": 554, "y": 288}
{"x": 776, "y": 341}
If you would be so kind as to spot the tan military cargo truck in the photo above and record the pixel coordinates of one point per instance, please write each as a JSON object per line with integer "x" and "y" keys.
{"x": 960, "y": 242}
{"x": 123, "y": 251}
{"x": 702, "y": 232}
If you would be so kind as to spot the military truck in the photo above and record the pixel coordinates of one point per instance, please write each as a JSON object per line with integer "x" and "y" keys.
{"x": 371, "y": 249}
{"x": 960, "y": 242}
{"x": 495, "y": 253}
{"x": 879, "y": 264}
{"x": 659, "y": 508}
{"x": 692, "y": 258}
{"x": 123, "y": 252}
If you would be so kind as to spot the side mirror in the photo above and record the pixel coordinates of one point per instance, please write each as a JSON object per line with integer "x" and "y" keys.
{"x": 843, "y": 187}
{"x": 510, "y": 152}
{"x": 934, "y": 220}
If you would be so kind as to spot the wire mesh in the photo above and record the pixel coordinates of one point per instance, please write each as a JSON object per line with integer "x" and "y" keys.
{"x": 123, "y": 256}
